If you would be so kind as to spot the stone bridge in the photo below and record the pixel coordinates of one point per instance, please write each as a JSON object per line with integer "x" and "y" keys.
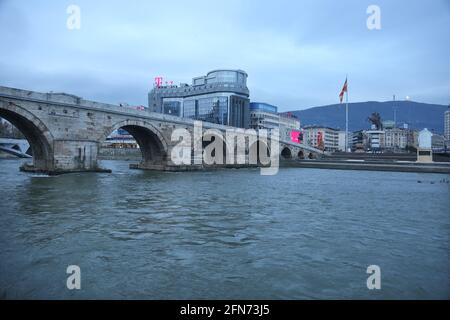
{"x": 65, "y": 132}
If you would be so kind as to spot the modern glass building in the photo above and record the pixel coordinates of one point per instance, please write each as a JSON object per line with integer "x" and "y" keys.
{"x": 262, "y": 106}
{"x": 219, "y": 97}
{"x": 266, "y": 116}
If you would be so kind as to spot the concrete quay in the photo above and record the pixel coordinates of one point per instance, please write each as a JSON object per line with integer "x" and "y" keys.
{"x": 406, "y": 166}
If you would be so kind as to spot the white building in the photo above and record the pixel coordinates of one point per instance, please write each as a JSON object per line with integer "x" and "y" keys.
{"x": 425, "y": 139}
{"x": 375, "y": 140}
{"x": 341, "y": 141}
{"x": 447, "y": 126}
{"x": 288, "y": 123}
{"x": 424, "y": 152}
{"x": 265, "y": 116}
{"x": 323, "y": 138}
{"x": 396, "y": 138}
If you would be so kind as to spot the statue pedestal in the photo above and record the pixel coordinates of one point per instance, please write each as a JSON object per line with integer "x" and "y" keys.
{"x": 424, "y": 155}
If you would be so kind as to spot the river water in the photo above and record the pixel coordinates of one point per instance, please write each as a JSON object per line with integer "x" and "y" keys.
{"x": 226, "y": 234}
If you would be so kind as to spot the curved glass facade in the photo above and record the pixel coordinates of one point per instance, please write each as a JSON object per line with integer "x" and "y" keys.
{"x": 221, "y": 96}
{"x": 260, "y": 106}
{"x": 227, "y": 76}
{"x": 210, "y": 109}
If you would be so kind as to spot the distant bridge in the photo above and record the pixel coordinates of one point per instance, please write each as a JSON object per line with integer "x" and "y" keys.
{"x": 66, "y": 131}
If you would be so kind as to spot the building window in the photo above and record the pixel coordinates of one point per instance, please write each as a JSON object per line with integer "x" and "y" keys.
{"x": 213, "y": 109}
{"x": 172, "y": 107}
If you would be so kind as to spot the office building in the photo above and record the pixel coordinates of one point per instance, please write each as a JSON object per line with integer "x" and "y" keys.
{"x": 323, "y": 138}
{"x": 220, "y": 97}
{"x": 397, "y": 139}
{"x": 375, "y": 140}
{"x": 265, "y": 116}
{"x": 288, "y": 124}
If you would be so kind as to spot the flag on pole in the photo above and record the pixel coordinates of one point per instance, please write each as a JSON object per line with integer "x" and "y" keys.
{"x": 344, "y": 89}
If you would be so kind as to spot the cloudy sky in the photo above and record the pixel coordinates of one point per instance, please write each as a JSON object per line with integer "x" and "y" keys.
{"x": 297, "y": 53}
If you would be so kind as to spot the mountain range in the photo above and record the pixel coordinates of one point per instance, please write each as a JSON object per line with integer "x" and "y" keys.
{"x": 416, "y": 114}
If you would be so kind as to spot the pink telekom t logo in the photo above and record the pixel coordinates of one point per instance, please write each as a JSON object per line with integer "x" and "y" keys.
{"x": 158, "y": 81}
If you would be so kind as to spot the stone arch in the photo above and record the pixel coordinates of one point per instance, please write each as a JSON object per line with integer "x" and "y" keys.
{"x": 153, "y": 146}
{"x": 257, "y": 147}
{"x": 286, "y": 153}
{"x": 214, "y": 134}
{"x": 35, "y": 131}
{"x": 311, "y": 156}
{"x": 301, "y": 155}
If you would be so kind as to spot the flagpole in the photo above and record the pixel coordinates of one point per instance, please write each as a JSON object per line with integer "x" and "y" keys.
{"x": 346, "y": 117}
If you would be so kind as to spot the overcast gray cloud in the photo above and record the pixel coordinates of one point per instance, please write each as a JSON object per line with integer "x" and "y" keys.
{"x": 296, "y": 53}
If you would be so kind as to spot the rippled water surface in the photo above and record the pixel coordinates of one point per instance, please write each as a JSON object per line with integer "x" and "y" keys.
{"x": 303, "y": 233}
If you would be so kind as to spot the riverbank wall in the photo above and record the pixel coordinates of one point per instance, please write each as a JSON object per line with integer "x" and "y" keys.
{"x": 398, "y": 166}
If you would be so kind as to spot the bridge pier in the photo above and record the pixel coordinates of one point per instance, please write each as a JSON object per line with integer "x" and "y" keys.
{"x": 68, "y": 156}
{"x": 72, "y": 155}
